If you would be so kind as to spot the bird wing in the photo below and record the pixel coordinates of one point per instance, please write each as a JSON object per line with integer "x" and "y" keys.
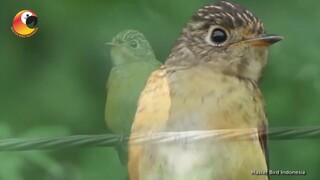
{"x": 263, "y": 138}
{"x": 153, "y": 109}
{"x": 124, "y": 86}
{"x": 155, "y": 95}
{"x": 263, "y": 128}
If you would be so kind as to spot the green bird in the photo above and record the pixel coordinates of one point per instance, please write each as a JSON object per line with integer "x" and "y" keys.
{"x": 133, "y": 61}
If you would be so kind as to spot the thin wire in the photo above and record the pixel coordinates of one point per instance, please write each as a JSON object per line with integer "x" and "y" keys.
{"x": 110, "y": 140}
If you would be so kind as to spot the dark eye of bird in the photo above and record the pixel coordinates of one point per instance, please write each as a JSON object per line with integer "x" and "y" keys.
{"x": 218, "y": 36}
{"x": 133, "y": 44}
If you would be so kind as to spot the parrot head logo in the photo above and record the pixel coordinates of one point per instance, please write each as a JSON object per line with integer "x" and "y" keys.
{"x": 24, "y": 23}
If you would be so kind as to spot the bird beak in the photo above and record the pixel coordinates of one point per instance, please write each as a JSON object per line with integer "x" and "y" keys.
{"x": 110, "y": 44}
{"x": 265, "y": 40}
{"x": 113, "y": 44}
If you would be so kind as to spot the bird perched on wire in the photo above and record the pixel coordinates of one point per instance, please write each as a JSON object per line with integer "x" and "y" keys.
{"x": 133, "y": 60}
{"x": 209, "y": 82}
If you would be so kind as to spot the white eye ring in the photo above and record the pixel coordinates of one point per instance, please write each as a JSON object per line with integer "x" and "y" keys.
{"x": 134, "y": 44}
{"x": 24, "y": 16}
{"x": 209, "y": 36}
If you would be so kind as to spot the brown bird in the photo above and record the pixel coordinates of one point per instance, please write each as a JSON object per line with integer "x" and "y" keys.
{"x": 209, "y": 82}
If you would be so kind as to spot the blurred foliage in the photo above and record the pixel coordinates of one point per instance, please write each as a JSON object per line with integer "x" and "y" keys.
{"x": 53, "y": 84}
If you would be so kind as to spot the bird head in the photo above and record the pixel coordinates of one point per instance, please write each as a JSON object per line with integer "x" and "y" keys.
{"x": 226, "y": 38}
{"x": 130, "y": 46}
{"x": 24, "y": 23}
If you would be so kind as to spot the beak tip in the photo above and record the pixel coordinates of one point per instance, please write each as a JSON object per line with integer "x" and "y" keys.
{"x": 265, "y": 40}
{"x": 271, "y": 39}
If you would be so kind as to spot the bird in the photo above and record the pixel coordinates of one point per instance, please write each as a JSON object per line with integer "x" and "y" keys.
{"x": 209, "y": 83}
{"x": 132, "y": 60}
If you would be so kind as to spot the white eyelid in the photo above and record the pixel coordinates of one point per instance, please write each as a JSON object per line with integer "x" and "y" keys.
{"x": 208, "y": 36}
{"x": 137, "y": 43}
{"x": 24, "y": 16}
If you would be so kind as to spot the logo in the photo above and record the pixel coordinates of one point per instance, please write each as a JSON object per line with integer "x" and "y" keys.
{"x": 24, "y": 23}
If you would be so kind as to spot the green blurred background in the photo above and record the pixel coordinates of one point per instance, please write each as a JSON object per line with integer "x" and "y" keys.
{"x": 53, "y": 83}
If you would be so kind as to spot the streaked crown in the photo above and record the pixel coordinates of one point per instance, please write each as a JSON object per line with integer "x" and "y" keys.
{"x": 229, "y": 15}
{"x": 214, "y": 27}
{"x": 132, "y": 39}
{"x": 131, "y": 46}
{"x": 225, "y": 37}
